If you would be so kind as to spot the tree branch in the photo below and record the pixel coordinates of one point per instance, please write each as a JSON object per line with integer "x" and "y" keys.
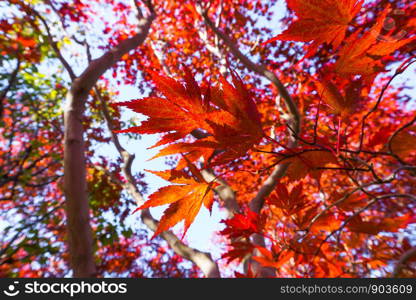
{"x": 223, "y": 190}
{"x": 75, "y": 185}
{"x": 54, "y": 45}
{"x": 201, "y": 259}
{"x": 402, "y": 262}
{"x": 294, "y": 116}
{"x": 10, "y": 84}
{"x": 294, "y": 122}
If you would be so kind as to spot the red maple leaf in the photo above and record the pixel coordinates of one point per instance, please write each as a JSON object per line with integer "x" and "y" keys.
{"x": 343, "y": 104}
{"x": 226, "y": 114}
{"x": 289, "y": 201}
{"x": 321, "y": 21}
{"x": 243, "y": 225}
{"x": 310, "y": 163}
{"x": 185, "y": 198}
{"x": 362, "y": 51}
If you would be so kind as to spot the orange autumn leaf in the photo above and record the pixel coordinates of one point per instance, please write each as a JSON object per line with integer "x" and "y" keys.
{"x": 243, "y": 225}
{"x": 321, "y": 21}
{"x": 362, "y": 51}
{"x": 177, "y": 113}
{"x": 249, "y": 274}
{"x": 239, "y": 250}
{"x": 185, "y": 198}
{"x": 342, "y": 104}
{"x": 327, "y": 222}
{"x": 352, "y": 202}
{"x": 393, "y": 224}
{"x": 403, "y": 143}
{"x": 269, "y": 260}
{"x": 309, "y": 163}
{"x": 289, "y": 201}
{"x": 226, "y": 114}
{"x": 357, "y": 224}
{"x": 26, "y": 42}
{"x": 376, "y": 263}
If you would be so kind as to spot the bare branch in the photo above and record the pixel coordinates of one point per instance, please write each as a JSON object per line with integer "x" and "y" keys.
{"x": 10, "y": 84}
{"x": 54, "y": 45}
{"x": 399, "y": 130}
{"x": 411, "y": 253}
{"x": 5, "y": 248}
{"x": 358, "y": 212}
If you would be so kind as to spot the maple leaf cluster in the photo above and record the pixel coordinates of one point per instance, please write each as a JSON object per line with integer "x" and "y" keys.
{"x": 218, "y": 124}
{"x": 225, "y": 115}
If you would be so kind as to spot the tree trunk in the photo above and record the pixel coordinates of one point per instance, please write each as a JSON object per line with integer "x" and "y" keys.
{"x": 80, "y": 238}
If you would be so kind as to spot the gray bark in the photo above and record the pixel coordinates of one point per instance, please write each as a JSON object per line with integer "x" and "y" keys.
{"x": 80, "y": 238}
